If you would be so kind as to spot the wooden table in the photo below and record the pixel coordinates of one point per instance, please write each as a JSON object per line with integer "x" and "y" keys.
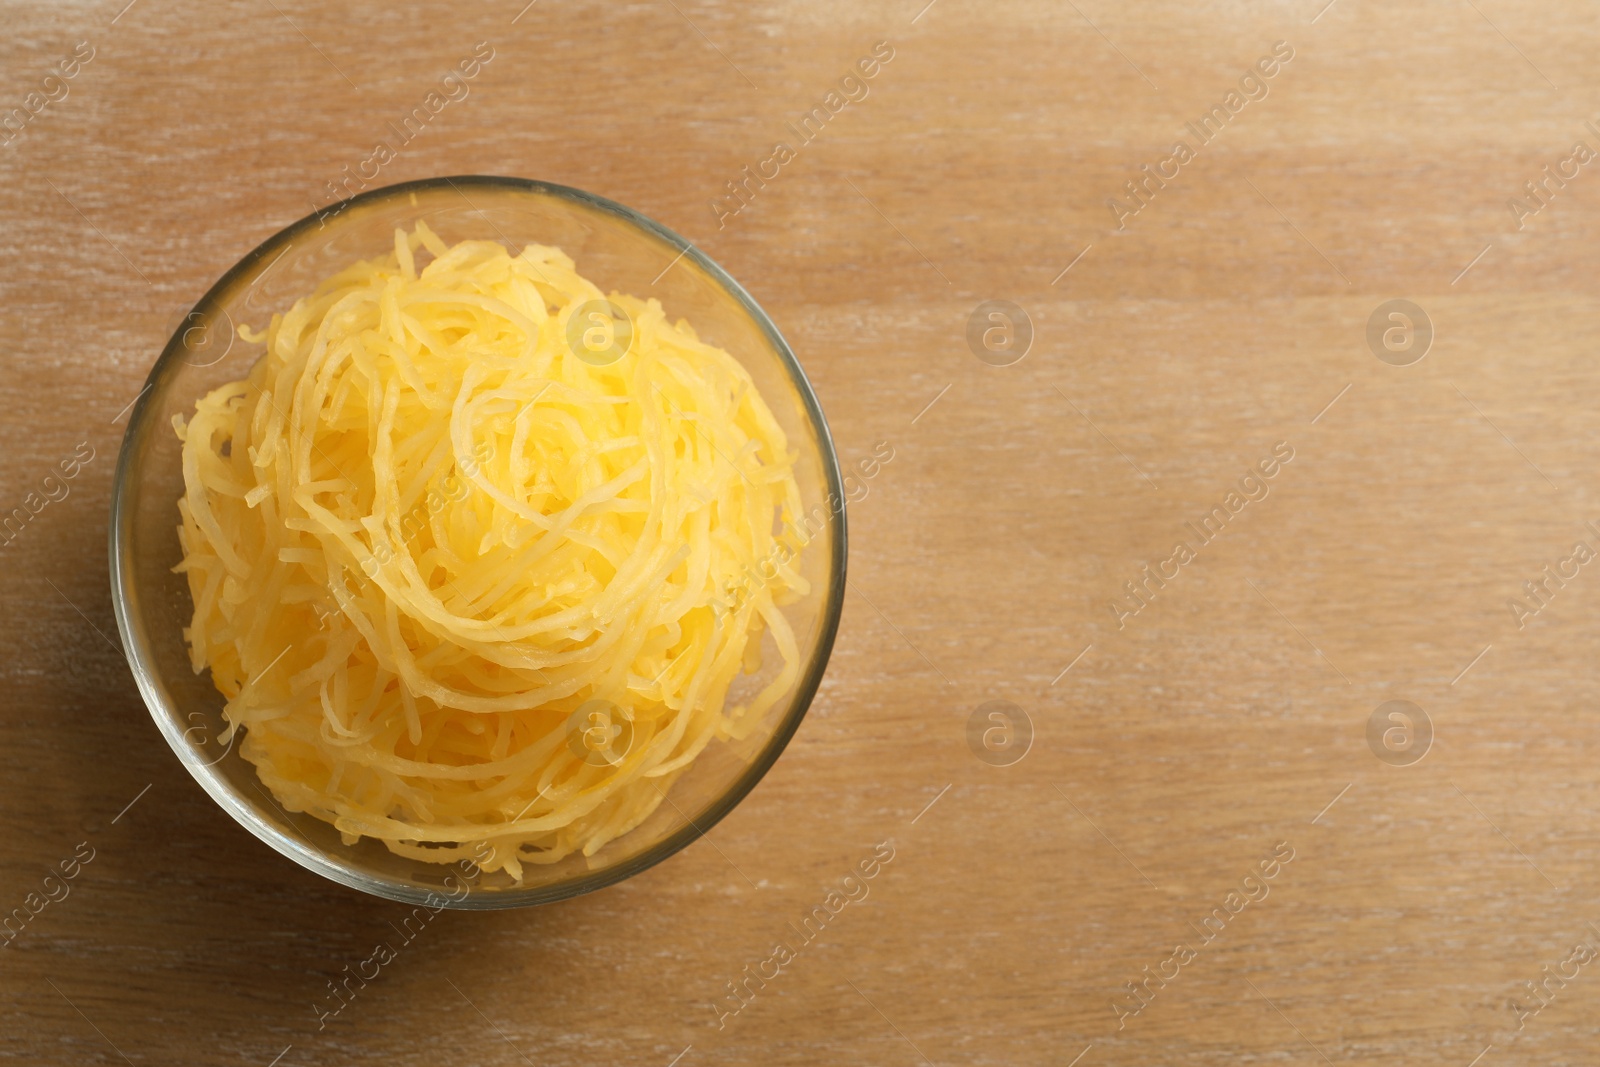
{"x": 1173, "y": 749}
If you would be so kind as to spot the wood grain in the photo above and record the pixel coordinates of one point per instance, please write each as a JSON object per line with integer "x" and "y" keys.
{"x": 1177, "y": 752}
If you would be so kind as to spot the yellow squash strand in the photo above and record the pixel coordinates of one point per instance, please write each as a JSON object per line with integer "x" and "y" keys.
{"x": 430, "y": 546}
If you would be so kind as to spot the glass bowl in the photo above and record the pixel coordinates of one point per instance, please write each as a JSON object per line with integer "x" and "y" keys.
{"x": 618, "y": 249}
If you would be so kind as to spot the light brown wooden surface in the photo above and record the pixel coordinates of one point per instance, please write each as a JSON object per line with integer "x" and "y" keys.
{"x": 1175, "y": 754}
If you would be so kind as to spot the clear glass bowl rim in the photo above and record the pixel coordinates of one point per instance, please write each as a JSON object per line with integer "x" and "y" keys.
{"x": 167, "y": 718}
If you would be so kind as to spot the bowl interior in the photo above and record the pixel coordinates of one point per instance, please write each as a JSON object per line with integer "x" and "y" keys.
{"x": 618, "y": 250}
